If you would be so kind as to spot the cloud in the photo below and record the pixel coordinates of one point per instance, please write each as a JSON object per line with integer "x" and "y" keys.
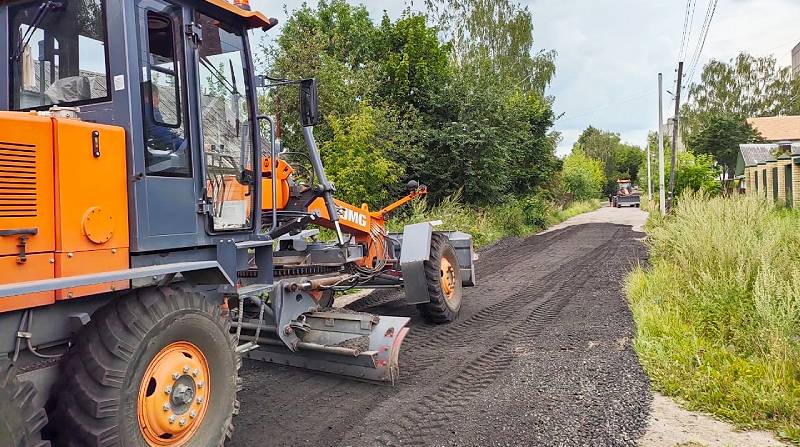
{"x": 611, "y": 51}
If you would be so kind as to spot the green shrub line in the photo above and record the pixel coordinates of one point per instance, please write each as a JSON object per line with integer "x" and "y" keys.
{"x": 717, "y": 310}
{"x": 514, "y": 218}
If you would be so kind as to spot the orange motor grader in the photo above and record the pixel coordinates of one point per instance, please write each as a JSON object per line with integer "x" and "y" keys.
{"x": 150, "y": 237}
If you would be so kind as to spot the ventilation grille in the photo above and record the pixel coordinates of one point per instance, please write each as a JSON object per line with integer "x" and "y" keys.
{"x": 17, "y": 180}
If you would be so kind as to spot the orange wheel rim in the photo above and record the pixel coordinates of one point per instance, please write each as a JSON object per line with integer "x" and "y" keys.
{"x": 448, "y": 278}
{"x": 174, "y": 395}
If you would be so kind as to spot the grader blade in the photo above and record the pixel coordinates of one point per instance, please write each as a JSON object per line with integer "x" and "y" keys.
{"x": 353, "y": 344}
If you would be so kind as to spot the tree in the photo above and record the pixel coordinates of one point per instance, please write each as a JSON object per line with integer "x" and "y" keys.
{"x": 359, "y": 150}
{"x": 746, "y": 87}
{"x": 500, "y": 30}
{"x": 720, "y": 137}
{"x": 440, "y": 117}
{"x": 618, "y": 159}
{"x": 583, "y": 175}
{"x": 413, "y": 66}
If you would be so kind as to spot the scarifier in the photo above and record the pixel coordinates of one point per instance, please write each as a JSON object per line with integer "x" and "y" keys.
{"x": 150, "y": 235}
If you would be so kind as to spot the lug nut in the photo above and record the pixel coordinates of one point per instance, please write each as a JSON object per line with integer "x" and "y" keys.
{"x": 185, "y": 369}
{"x": 175, "y": 376}
{"x": 168, "y": 390}
{"x": 195, "y": 372}
{"x": 182, "y": 422}
{"x": 193, "y": 414}
{"x": 166, "y": 407}
{"x": 199, "y": 399}
{"x": 171, "y": 419}
{"x": 201, "y": 384}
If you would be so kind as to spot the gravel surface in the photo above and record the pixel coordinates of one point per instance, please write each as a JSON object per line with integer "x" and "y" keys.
{"x": 541, "y": 355}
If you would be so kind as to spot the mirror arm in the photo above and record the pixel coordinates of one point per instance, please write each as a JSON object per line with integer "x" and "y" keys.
{"x": 327, "y": 187}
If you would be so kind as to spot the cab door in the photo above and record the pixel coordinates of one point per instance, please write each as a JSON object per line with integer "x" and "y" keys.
{"x": 226, "y": 115}
{"x": 169, "y": 211}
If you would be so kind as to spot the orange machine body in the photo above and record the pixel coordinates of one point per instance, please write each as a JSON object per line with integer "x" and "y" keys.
{"x": 368, "y": 227}
{"x": 63, "y": 204}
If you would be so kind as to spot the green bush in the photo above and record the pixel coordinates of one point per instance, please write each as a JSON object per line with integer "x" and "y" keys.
{"x": 535, "y": 211}
{"x": 583, "y": 175}
{"x": 490, "y": 224}
{"x": 718, "y": 310}
{"x": 697, "y": 172}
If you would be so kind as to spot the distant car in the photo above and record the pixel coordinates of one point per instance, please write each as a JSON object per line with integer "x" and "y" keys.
{"x": 626, "y": 195}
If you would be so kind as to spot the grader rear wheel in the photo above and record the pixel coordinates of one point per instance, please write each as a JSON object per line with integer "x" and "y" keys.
{"x": 155, "y": 369}
{"x": 443, "y": 276}
{"x": 21, "y": 421}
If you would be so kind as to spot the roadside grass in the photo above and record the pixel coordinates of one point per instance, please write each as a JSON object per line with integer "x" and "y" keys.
{"x": 518, "y": 217}
{"x": 717, "y": 311}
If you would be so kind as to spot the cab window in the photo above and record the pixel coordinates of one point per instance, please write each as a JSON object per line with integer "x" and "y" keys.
{"x": 58, "y": 54}
{"x": 167, "y": 152}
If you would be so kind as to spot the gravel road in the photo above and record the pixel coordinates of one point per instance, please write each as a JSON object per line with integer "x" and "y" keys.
{"x": 541, "y": 355}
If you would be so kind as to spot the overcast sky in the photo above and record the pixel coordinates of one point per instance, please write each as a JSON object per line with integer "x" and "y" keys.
{"x": 610, "y": 52}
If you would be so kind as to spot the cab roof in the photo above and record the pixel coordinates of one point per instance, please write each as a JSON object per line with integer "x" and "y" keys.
{"x": 253, "y": 19}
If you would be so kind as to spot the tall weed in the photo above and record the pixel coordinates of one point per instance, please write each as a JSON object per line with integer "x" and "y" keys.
{"x": 718, "y": 309}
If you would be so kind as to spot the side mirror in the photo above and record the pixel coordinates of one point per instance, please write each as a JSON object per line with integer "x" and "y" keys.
{"x": 309, "y": 103}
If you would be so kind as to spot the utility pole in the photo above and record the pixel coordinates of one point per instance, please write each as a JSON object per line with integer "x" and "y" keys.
{"x": 675, "y": 126}
{"x": 662, "y": 196}
{"x": 649, "y": 176}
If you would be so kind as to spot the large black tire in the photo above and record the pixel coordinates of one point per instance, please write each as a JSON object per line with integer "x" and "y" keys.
{"x": 98, "y": 397}
{"x": 441, "y": 309}
{"x": 21, "y": 422}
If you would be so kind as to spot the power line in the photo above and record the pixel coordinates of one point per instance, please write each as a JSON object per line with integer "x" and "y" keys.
{"x": 688, "y": 26}
{"x": 683, "y": 35}
{"x": 567, "y": 117}
{"x": 710, "y": 11}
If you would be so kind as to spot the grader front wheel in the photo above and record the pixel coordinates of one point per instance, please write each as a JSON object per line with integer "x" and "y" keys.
{"x": 443, "y": 276}
{"x": 155, "y": 369}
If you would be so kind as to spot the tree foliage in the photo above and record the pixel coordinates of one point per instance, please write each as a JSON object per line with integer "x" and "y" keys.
{"x": 359, "y": 150}
{"x": 619, "y": 160}
{"x": 583, "y": 175}
{"x": 747, "y": 86}
{"x": 720, "y": 137}
{"x": 697, "y": 172}
{"x": 500, "y": 31}
{"x": 416, "y": 107}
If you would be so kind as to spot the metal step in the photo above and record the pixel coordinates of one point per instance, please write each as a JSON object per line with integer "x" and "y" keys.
{"x": 254, "y": 290}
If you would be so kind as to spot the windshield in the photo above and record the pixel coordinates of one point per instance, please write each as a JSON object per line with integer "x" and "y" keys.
{"x": 58, "y": 53}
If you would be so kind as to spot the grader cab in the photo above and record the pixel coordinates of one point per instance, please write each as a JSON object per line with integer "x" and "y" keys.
{"x": 149, "y": 237}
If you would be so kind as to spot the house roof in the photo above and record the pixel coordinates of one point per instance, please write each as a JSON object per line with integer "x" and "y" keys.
{"x": 777, "y": 128}
{"x": 753, "y": 154}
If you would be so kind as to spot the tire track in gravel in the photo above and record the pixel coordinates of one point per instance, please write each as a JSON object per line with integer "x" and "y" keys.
{"x": 292, "y": 407}
{"x": 538, "y": 243}
{"x": 491, "y": 322}
{"x": 431, "y": 413}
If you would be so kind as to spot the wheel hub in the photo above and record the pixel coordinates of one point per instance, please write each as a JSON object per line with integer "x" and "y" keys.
{"x": 173, "y": 395}
{"x": 448, "y": 278}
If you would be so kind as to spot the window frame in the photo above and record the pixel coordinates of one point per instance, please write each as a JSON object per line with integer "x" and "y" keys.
{"x": 252, "y": 113}
{"x": 177, "y": 72}
{"x": 184, "y": 119}
{"x": 15, "y": 94}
